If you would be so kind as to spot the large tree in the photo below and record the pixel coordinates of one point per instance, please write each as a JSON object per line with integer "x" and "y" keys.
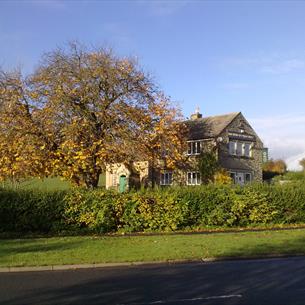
{"x": 21, "y": 141}
{"x": 81, "y": 110}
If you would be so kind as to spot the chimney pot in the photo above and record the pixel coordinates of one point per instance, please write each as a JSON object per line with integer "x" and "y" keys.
{"x": 196, "y": 115}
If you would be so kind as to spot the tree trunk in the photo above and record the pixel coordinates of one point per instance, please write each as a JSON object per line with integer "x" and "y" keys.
{"x": 92, "y": 179}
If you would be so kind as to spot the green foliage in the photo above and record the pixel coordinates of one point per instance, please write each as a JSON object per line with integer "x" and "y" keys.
{"x": 291, "y": 176}
{"x": 222, "y": 177}
{"x": 208, "y": 166}
{"x": 166, "y": 209}
{"x": 273, "y": 168}
{"x": 91, "y": 209}
{"x": 30, "y": 211}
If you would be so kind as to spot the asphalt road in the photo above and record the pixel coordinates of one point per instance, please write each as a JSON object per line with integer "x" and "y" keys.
{"x": 269, "y": 281}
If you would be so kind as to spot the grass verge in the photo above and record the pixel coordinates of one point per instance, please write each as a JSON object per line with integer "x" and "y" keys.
{"x": 96, "y": 249}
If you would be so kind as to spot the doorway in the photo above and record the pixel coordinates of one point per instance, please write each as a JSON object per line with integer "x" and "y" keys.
{"x": 240, "y": 178}
{"x": 122, "y": 184}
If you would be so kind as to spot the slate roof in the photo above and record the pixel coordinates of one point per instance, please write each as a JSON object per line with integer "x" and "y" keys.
{"x": 209, "y": 127}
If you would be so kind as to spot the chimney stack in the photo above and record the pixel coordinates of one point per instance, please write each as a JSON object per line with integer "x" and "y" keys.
{"x": 196, "y": 115}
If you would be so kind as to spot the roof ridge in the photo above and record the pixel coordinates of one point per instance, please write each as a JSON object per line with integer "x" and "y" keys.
{"x": 211, "y": 126}
{"x": 225, "y": 114}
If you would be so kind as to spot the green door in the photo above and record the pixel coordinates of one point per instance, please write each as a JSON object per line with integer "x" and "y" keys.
{"x": 122, "y": 186}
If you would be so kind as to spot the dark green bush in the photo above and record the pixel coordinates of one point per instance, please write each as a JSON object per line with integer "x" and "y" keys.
{"x": 31, "y": 210}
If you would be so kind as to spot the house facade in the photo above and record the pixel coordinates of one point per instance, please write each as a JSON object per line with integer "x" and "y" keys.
{"x": 238, "y": 148}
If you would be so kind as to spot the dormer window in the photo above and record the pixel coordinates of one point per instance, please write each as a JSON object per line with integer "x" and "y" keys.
{"x": 194, "y": 147}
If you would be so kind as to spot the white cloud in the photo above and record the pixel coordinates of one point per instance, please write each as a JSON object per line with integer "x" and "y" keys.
{"x": 284, "y": 66}
{"x": 284, "y": 135}
{"x": 267, "y": 63}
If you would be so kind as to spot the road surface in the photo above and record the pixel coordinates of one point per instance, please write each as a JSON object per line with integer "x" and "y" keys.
{"x": 268, "y": 281}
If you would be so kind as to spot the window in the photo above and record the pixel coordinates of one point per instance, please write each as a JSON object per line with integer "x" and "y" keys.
{"x": 240, "y": 177}
{"x": 247, "y": 150}
{"x": 166, "y": 178}
{"x": 232, "y": 148}
{"x": 114, "y": 179}
{"x": 237, "y": 148}
{"x": 232, "y": 175}
{"x": 194, "y": 148}
{"x": 247, "y": 177}
{"x": 193, "y": 178}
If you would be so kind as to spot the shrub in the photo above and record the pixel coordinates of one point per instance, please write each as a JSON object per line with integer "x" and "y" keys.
{"x": 31, "y": 210}
{"x": 91, "y": 209}
{"x": 163, "y": 209}
{"x": 152, "y": 211}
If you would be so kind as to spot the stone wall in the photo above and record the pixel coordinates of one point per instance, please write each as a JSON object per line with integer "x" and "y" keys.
{"x": 251, "y": 164}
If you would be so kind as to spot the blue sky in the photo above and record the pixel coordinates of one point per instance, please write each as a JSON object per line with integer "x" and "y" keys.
{"x": 223, "y": 56}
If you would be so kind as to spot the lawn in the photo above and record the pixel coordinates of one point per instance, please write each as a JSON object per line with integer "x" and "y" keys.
{"x": 49, "y": 184}
{"x": 97, "y": 249}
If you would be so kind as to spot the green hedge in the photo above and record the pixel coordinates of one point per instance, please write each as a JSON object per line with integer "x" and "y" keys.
{"x": 31, "y": 210}
{"x": 166, "y": 209}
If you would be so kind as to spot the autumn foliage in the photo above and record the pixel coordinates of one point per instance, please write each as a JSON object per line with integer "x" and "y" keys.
{"x": 81, "y": 110}
{"x": 275, "y": 166}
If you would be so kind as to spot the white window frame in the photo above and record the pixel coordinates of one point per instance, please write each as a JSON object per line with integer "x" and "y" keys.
{"x": 166, "y": 178}
{"x": 245, "y": 181}
{"x": 194, "y": 148}
{"x": 234, "y": 145}
{"x": 114, "y": 179}
{"x": 239, "y": 149}
{"x": 232, "y": 148}
{"x": 249, "y": 154}
{"x": 193, "y": 178}
{"x": 248, "y": 181}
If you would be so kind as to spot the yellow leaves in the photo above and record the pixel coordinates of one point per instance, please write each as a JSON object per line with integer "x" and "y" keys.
{"x": 34, "y": 95}
{"x": 222, "y": 177}
{"x": 87, "y": 109}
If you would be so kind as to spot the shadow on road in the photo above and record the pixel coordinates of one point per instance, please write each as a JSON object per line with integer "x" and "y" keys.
{"x": 259, "y": 282}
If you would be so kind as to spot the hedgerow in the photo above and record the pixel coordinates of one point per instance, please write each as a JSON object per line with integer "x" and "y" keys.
{"x": 161, "y": 209}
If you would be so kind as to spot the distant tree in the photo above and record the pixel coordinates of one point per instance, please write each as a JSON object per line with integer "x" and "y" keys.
{"x": 302, "y": 163}
{"x": 273, "y": 168}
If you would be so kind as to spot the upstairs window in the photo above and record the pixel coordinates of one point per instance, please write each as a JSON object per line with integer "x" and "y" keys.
{"x": 243, "y": 149}
{"x": 239, "y": 149}
{"x": 247, "y": 150}
{"x": 166, "y": 178}
{"x": 232, "y": 148}
{"x": 194, "y": 148}
{"x": 193, "y": 178}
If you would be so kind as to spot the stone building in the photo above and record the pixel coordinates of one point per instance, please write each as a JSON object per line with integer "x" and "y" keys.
{"x": 238, "y": 149}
